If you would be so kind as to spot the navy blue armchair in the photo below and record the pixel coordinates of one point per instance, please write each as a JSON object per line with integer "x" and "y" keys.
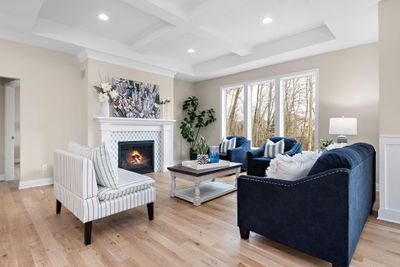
{"x": 238, "y": 154}
{"x": 322, "y": 214}
{"x": 257, "y": 163}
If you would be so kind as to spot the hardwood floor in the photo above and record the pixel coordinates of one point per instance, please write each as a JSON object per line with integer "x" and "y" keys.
{"x": 180, "y": 235}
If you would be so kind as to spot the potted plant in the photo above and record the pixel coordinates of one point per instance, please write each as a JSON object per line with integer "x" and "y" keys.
{"x": 325, "y": 142}
{"x": 194, "y": 121}
{"x": 201, "y": 148}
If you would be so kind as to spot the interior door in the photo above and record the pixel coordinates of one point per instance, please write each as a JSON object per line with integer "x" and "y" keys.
{"x": 9, "y": 119}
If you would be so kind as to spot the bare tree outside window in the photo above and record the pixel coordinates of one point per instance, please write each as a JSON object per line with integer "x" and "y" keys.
{"x": 234, "y": 100}
{"x": 299, "y": 109}
{"x": 262, "y": 112}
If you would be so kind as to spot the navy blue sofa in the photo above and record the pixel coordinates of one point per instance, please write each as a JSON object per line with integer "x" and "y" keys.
{"x": 238, "y": 154}
{"x": 322, "y": 214}
{"x": 257, "y": 163}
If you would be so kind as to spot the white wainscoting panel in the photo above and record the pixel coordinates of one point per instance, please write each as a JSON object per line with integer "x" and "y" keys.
{"x": 389, "y": 177}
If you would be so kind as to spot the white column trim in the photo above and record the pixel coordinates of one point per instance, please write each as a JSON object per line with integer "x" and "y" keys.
{"x": 388, "y": 210}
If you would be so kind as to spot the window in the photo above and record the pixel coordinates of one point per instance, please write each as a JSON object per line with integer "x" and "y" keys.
{"x": 299, "y": 109}
{"x": 279, "y": 106}
{"x": 262, "y": 111}
{"x": 234, "y": 112}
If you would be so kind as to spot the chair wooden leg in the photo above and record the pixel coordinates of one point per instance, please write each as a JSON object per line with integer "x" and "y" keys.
{"x": 150, "y": 210}
{"x": 88, "y": 233}
{"x": 58, "y": 207}
{"x": 244, "y": 233}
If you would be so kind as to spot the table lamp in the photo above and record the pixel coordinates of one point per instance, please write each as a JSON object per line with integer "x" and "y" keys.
{"x": 343, "y": 126}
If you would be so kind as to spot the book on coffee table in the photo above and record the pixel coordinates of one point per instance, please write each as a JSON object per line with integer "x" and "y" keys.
{"x": 194, "y": 165}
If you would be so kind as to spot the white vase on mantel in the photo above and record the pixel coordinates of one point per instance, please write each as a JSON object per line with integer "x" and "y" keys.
{"x": 164, "y": 112}
{"x": 105, "y": 109}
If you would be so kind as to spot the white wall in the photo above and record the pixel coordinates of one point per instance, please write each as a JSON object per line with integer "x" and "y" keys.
{"x": 389, "y": 129}
{"x": 348, "y": 86}
{"x": 182, "y": 90}
{"x": 52, "y": 109}
{"x": 1, "y": 129}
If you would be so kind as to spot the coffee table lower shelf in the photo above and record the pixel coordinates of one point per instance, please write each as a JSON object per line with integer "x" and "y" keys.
{"x": 208, "y": 191}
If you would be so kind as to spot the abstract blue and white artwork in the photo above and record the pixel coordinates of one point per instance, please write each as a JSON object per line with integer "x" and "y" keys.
{"x": 136, "y": 100}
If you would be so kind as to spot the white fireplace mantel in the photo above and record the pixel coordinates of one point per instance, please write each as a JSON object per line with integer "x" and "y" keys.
{"x": 107, "y": 125}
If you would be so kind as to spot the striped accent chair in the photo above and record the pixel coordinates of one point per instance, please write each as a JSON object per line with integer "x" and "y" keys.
{"x": 76, "y": 188}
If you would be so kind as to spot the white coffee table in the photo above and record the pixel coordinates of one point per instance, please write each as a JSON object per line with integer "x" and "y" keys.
{"x": 205, "y": 187}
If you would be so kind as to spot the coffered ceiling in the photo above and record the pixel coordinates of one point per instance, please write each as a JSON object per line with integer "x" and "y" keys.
{"x": 227, "y": 36}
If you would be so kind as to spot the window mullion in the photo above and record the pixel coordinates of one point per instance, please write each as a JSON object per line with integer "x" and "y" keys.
{"x": 247, "y": 111}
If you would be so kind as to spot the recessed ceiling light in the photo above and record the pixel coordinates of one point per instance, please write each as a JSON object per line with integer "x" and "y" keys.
{"x": 103, "y": 17}
{"x": 190, "y": 50}
{"x": 267, "y": 20}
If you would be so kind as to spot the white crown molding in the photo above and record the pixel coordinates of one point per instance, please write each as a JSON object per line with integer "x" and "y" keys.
{"x": 130, "y": 63}
{"x": 24, "y": 184}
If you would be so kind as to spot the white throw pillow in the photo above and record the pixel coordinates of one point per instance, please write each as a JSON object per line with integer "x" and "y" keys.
{"x": 273, "y": 149}
{"x": 80, "y": 150}
{"x": 292, "y": 168}
{"x": 227, "y": 145}
{"x": 106, "y": 174}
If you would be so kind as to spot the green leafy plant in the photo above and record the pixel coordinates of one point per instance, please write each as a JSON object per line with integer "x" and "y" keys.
{"x": 195, "y": 120}
{"x": 325, "y": 142}
{"x": 201, "y": 146}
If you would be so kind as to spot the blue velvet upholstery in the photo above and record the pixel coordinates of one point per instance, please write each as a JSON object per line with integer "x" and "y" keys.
{"x": 238, "y": 154}
{"x": 322, "y": 214}
{"x": 257, "y": 163}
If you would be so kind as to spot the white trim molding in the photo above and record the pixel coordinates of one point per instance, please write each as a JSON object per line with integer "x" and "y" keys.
{"x": 389, "y": 179}
{"x": 108, "y": 125}
{"x": 2, "y": 176}
{"x": 25, "y": 184}
{"x": 125, "y": 62}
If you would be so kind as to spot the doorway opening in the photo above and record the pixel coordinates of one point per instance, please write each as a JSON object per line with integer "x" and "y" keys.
{"x": 10, "y": 129}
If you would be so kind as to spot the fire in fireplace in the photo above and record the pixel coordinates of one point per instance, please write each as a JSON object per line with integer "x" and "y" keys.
{"x": 136, "y": 156}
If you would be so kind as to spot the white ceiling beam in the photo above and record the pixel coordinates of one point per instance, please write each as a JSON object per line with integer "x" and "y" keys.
{"x": 171, "y": 14}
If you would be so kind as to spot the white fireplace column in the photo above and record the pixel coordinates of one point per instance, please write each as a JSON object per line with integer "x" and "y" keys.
{"x": 109, "y": 125}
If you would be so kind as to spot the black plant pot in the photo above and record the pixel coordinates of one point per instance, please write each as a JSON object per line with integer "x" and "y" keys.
{"x": 193, "y": 154}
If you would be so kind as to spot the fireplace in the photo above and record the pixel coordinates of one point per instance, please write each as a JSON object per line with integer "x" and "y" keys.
{"x": 136, "y": 156}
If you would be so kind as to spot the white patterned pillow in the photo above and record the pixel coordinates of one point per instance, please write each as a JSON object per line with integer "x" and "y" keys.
{"x": 81, "y": 150}
{"x": 272, "y": 149}
{"x": 105, "y": 172}
{"x": 292, "y": 168}
{"x": 227, "y": 145}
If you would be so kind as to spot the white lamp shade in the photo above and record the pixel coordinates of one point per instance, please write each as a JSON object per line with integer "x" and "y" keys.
{"x": 343, "y": 126}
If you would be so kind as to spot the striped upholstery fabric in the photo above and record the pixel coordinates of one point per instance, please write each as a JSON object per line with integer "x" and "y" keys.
{"x": 76, "y": 188}
{"x": 105, "y": 172}
{"x": 75, "y": 173}
{"x": 272, "y": 149}
{"x": 129, "y": 182}
{"x": 227, "y": 145}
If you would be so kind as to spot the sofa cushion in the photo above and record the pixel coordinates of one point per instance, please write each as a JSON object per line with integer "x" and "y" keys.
{"x": 128, "y": 182}
{"x": 347, "y": 157}
{"x": 272, "y": 149}
{"x": 106, "y": 174}
{"x": 291, "y": 168}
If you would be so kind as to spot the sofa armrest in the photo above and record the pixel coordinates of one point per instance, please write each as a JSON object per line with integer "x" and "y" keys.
{"x": 239, "y": 153}
{"x": 75, "y": 173}
{"x": 255, "y": 153}
{"x": 294, "y": 150}
{"x": 303, "y": 214}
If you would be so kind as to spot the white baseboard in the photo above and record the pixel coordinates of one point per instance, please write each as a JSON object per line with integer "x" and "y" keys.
{"x": 389, "y": 215}
{"x": 24, "y": 184}
{"x": 2, "y": 176}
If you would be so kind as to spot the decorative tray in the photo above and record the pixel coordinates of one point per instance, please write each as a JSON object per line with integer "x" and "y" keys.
{"x": 194, "y": 165}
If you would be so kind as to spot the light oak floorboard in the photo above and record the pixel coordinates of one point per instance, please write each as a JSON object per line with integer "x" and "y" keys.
{"x": 31, "y": 234}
